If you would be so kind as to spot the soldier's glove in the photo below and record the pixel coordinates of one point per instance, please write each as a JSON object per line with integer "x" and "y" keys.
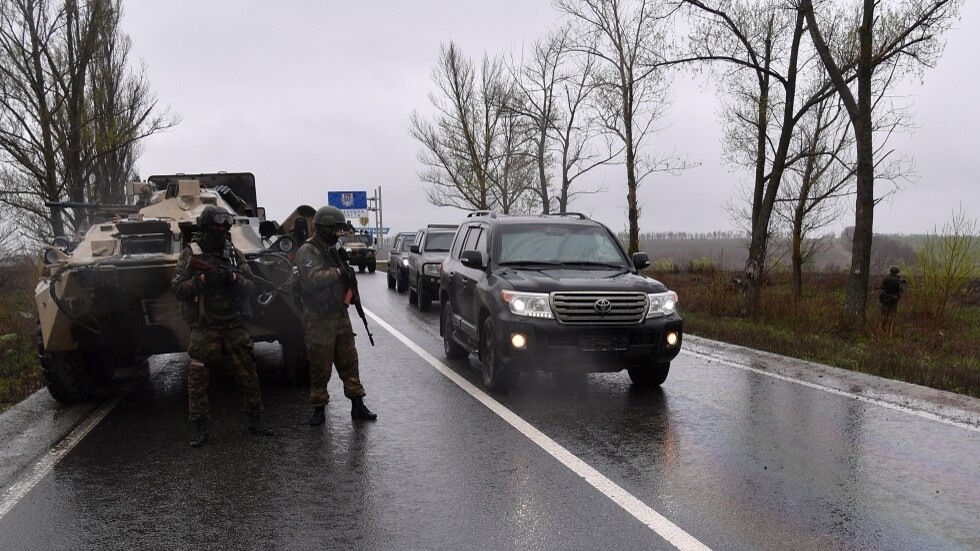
{"x": 218, "y": 277}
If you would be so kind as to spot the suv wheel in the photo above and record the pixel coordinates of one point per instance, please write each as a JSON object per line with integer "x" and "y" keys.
{"x": 494, "y": 379}
{"x": 391, "y": 281}
{"x": 413, "y": 294}
{"x": 425, "y": 301}
{"x": 452, "y": 348}
{"x": 401, "y": 284}
{"x": 653, "y": 375}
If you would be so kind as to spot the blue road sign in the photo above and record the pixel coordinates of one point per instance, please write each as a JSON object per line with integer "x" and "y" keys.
{"x": 353, "y": 203}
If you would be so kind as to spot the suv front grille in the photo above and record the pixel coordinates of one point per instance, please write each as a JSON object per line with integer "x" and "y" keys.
{"x": 599, "y": 308}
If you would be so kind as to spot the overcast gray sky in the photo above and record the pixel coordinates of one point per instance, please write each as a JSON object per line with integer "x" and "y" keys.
{"x": 316, "y": 96}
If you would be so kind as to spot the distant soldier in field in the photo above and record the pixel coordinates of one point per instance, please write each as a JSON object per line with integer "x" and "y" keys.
{"x": 327, "y": 284}
{"x": 892, "y": 288}
{"x": 209, "y": 283}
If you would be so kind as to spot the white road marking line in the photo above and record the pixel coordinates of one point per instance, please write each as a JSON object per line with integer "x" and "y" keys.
{"x": 866, "y": 399}
{"x": 639, "y": 510}
{"x": 19, "y": 489}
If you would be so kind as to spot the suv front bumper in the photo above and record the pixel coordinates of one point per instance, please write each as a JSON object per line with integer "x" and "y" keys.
{"x": 552, "y": 346}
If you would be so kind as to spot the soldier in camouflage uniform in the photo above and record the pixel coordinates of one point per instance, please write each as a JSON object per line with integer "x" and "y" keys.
{"x": 326, "y": 292}
{"x": 215, "y": 300}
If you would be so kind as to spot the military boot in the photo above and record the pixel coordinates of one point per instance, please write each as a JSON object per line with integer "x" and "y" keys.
{"x": 318, "y": 416}
{"x": 359, "y": 411}
{"x": 200, "y": 433}
{"x": 255, "y": 426}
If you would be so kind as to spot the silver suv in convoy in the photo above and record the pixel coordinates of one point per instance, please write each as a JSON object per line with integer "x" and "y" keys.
{"x": 398, "y": 261}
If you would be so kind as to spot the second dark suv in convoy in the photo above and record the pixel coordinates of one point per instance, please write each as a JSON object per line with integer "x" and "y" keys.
{"x": 430, "y": 247}
{"x": 557, "y": 293}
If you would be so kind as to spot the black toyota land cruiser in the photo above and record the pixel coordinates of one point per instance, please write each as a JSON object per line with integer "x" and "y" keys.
{"x": 557, "y": 293}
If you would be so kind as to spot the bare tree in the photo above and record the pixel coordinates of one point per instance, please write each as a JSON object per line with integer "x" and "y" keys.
{"x": 67, "y": 103}
{"x": 629, "y": 40}
{"x": 466, "y": 146}
{"x": 884, "y": 34}
{"x": 554, "y": 85}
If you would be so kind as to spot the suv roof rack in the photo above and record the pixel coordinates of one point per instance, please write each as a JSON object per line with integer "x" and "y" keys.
{"x": 578, "y": 215}
{"x": 490, "y": 213}
{"x": 446, "y": 226}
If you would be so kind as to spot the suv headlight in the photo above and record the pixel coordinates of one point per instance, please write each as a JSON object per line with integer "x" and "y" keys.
{"x": 662, "y": 304}
{"x": 430, "y": 269}
{"x": 533, "y": 305}
{"x": 405, "y": 262}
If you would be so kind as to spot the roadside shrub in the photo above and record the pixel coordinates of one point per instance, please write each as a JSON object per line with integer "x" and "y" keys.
{"x": 665, "y": 265}
{"x": 702, "y": 265}
{"x": 945, "y": 263}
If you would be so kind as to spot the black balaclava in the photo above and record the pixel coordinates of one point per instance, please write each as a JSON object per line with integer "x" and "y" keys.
{"x": 213, "y": 238}
{"x": 327, "y": 233}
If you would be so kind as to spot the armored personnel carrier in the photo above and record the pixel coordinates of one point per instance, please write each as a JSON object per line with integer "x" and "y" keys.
{"x": 104, "y": 300}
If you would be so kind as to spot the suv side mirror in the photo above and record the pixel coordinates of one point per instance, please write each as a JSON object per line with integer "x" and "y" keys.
{"x": 641, "y": 260}
{"x": 414, "y": 249}
{"x": 473, "y": 259}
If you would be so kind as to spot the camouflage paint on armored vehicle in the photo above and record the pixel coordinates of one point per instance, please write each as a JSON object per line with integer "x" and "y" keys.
{"x": 105, "y": 301}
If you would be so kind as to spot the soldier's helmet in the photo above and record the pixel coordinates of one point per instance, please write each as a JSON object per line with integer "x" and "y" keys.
{"x": 893, "y": 270}
{"x": 215, "y": 218}
{"x": 329, "y": 216}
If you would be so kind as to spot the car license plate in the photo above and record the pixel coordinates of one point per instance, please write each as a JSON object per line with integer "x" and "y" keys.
{"x": 606, "y": 343}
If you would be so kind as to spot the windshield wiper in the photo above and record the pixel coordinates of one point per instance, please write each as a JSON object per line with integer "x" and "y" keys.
{"x": 588, "y": 263}
{"x": 530, "y": 263}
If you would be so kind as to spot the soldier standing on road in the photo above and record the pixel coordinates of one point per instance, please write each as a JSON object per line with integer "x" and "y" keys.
{"x": 326, "y": 281}
{"x": 892, "y": 288}
{"x": 215, "y": 303}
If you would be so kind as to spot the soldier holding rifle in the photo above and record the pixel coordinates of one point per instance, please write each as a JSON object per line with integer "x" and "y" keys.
{"x": 212, "y": 281}
{"x": 328, "y": 288}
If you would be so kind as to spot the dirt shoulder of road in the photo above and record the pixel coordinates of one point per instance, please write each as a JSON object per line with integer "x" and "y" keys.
{"x": 956, "y": 408}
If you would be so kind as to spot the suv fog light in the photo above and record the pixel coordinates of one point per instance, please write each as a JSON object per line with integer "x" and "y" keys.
{"x": 672, "y": 338}
{"x": 518, "y": 341}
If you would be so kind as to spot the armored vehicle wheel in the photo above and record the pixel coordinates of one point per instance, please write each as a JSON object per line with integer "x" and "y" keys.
{"x": 649, "y": 376}
{"x": 391, "y": 281}
{"x": 372, "y": 267}
{"x": 67, "y": 376}
{"x": 361, "y": 268}
{"x": 452, "y": 348}
{"x": 494, "y": 378}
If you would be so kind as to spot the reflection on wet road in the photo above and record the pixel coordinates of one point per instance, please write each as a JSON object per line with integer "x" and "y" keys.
{"x": 732, "y": 458}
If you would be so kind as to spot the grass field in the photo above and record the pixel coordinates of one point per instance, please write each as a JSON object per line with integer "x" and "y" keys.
{"x": 942, "y": 354}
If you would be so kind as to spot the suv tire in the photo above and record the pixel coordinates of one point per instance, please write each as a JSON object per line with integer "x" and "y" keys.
{"x": 401, "y": 284}
{"x": 391, "y": 281}
{"x": 494, "y": 378}
{"x": 424, "y": 300}
{"x": 452, "y": 348}
{"x": 648, "y": 376}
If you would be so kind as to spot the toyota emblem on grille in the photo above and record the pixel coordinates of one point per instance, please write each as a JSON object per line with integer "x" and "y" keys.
{"x": 603, "y": 306}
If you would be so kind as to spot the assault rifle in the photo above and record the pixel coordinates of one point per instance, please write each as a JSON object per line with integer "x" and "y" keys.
{"x": 355, "y": 299}
{"x": 196, "y": 264}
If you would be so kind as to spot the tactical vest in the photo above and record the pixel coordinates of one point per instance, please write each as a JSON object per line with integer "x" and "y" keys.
{"x": 217, "y": 304}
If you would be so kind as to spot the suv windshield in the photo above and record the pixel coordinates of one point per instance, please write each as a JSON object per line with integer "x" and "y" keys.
{"x": 356, "y": 239}
{"x": 439, "y": 241}
{"x": 405, "y": 246}
{"x": 558, "y": 244}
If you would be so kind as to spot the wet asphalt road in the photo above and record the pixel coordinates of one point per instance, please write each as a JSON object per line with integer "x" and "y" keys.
{"x": 732, "y": 457}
